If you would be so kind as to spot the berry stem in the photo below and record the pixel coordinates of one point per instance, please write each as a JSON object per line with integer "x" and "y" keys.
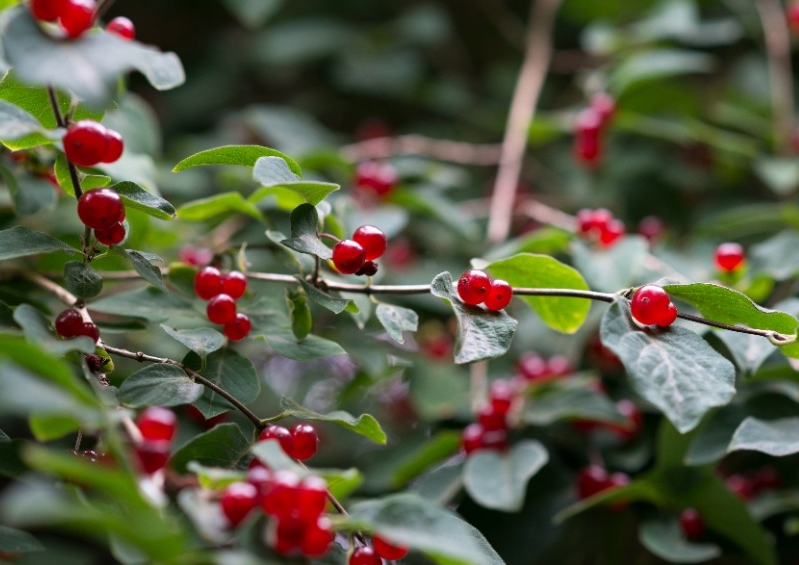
{"x": 73, "y": 170}
{"x": 329, "y": 236}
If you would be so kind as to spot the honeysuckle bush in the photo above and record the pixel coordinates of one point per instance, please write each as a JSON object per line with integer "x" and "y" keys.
{"x": 391, "y": 368}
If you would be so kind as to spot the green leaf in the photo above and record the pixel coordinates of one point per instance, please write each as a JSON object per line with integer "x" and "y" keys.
{"x": 37, "y": 330}
{"x": 541, "y": 271}
{"x": 409, "y": 520}
{"x": 82, "y": 280}
{"x": 773, "y": 437}
{"x": 241, "y": 155}
{"x": 364, "y": 424}
{"x": 253, "y": 13}
{"x": 673, "y": 368}
{"x": 777, "y": 256}
{"x": 88, "y": 67}
{"x": 136, "y": 198}
{"x": 657, "y": 64}
{"x": 299, "y": 312}
{"x": 310, "y": 348}
{"x": 482, "y": 334}
{"x": 205, "y": 208}
{"x": 396, "y": 319}
{"x": 665, "y": 539}
{"x": 142, "y": 263}
{"x": 47, "y": 427}
{"x": 20, "y": 241}
{"x": 229, "y": 371}
{"x": 30, "y": 194}
{"x": 87, "y": 181}
{"x": 499, "y": 480}
{"x": 148, "y": 303}
{"x": 16, "y": 122}
{"x": 17, "y": 541}
{"x": 569, "y": 400}
{"x": 304, "y": 227}
{"x": 222, "y": 446}
{"x": 779, "y": 174}
{"x": 433, "y": 451}
{"x": 214, "y": 478}
{"x": 275, "y": 177}
{"x": 333, "y": 303}
{"x": 273, "y": 171}
{"x": 272, "y": 455}
{"x": 159, "y": 384}
{"x": 714, "y": 434}
{"x": 748, "y": 351}
{"x": 613, "y": 268}
{"x": 200, "y": 340}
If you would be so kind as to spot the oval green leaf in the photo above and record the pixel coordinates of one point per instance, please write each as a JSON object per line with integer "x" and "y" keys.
{"x": 159, "y": 385}
{"x": 240, "y": 155}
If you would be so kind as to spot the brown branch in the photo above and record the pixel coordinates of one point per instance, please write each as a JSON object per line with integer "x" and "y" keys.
{"x": 778, "y": 49}
{"x": 525, "y": 99}
{"x": 443, "y": 150}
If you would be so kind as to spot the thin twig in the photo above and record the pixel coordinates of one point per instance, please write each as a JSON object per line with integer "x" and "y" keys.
{"x": 525, "y": 99}
{"x": 141, "y": 357}
{"x": 771, "y": 335}
{"x": 441, "y": 149}
{"x": 778, "y": 49}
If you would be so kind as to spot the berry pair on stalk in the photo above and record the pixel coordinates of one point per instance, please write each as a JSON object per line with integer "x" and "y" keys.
{"x": 491, "y": 429}
{"x": 651, "y": 305}
{"x": 476, "y": 287}
{"x": 76, "y": 17}
{"x": 102, "y": 210}
{"x": 600, "y": 226}
{"x": 157, "y": 426}
{"x": 69, "y": 323}
{"x": 356, "y": 256}
{"x": 222, "y": 291}
{"x": 88, "y": 143}
{"x": 381, "y": 548}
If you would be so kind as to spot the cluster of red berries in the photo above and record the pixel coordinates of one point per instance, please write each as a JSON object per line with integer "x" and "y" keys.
{"x": 70, "y": 323}
{"x": 375, "y": 177}
{"x": 532, "y": 367}
{"x": 747, "y": 485}
{"x": 595, "y": 479}
{"x": 729, "y": 257}
{"x": 300, "y": 442}
{"x": 589, "y": 126}
{"x": 651, "y": 305}
{"x": 221, "y": 292}
{"x": 476, "y": 287}
{"x": 88, "y": 143}
{"x": 157, "y": 427}
{"x": 381, "y": 548}
{"x": 76, "y": 17}
{"x": 102, "y": 210}
{"x": 356, "y": 256}
{"x": 599, "y": 226}
{"x": 651, "y": 227}
{"x": 491, "y": 429}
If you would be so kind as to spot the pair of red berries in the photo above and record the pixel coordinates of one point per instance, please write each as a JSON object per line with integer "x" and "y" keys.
{"x": 297, "y": 506}
{"x": 88, "y": 143}
{"x": 77, "y": 16}
{"x": 491, "y": 429}
{"x": 378, "y": 178}
{"x": 600, "y": 226}
{"x": 69, "y": 323}
{"x": 381, "y": 548}
{"x": 595, "y": 479}
{"x": 222, "y": 291}
{"x": 157, "y": 426}
{"x": 729, "y": 257}
{"x": 589, "y": 126}
{"x": 532, "y": 367}
{"x": 651, "y": 305}
{"x": 300, "y": 442}
{"x": 102, "y": 210}
{"x": 476, "y": 287}
{"x": 356, "y": 256}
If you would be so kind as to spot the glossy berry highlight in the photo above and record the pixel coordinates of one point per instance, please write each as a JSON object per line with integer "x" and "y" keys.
{"x": 279, "y": 433}
{"x": 238, "y": 500}
{"x": 157, "y": 423}
{"x": 234, "y": 284}
{"x": 365, "y": 556}
{"x": 304, "y": 441}
{"x": 69, "y": 323}
{"x": 122, "y": 27}
{"x": 651, "y": 306}
{"x": 86, "y": 143}
{"x": 372, "y": 240}
{"x": 221, "y": 309}
{"x": 101, "y": 208}
{"x": 348, "y": 256}
{"x": 473, "y": 287}
{"x": 77, "y": 16}
{"x": 238, "y": 328}
{"x": 729, "y": 257}
{"x": 208, "y": 283}
{"x": 499, "y": 295}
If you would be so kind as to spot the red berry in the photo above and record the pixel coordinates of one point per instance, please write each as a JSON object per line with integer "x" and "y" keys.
{"x": 372, "y": 240}
{"x": 365, "y": 556}
{"x": 499, "y": 295}
{"x": 289, "y": 533}
{"x": 472, "y": 438}
{"x": 559, "y": 366}
{"x": 380, "y": 178}
{"x": 650, "y": 305}
{"x": 196, "y": 256}
{"x": 112, "y": 236}
{"x": 473, "y": 287}
{"x": 238, "y": 500}
{"x": 86, "y": 143}
{"x": 635, "y": 420}
{"x": 368, "y": 269}
{"x": 89, "y": 329}
{"x": 46, "y": 10}
{"x": 69, "y": 323}
{"x": 532, "y": 366}
{"x": 317, "y": 537}
{"x": 261, "y": 478}
{"x": 348, "y": 256}
{"x": 691, "y": 523}
{"x": 592, "y": 480}
{"x": 604, "y": 105}
{"x": 587, "y": 146}
{"x": 281, "y": 500}
{"x": 501, "y": 396}
{"x": 101, "y": 208}
{"x": 157, "y": 423}
{"x": 651, "y": 227}
{"x": 388, "y": 550}
{"x": 279, "y": 433}
{"x": 221, "y": 309}
{"x": 669, "y": 316}
{"x": 152, "y": 455}
{"x": 612, "y": 232}
{"x": 311, "y": 498}
{"x": 729, "y": 256}
{"x": 593, "y": 222}
{"x": 491, "y": 420}
{"x": 765, "y": 478}
{"x": 238, "y": 328}
{"x": 304, "y": 441}
{"x": 122, "y": 27}
{"x": 740, "y": 486}
{"x": 234, "y": 284}
{"x": 115, "y": 147}
{"x": 77, "y": 16}
{"x": 208, "y": 283}
{"x": 792, "y": 16}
